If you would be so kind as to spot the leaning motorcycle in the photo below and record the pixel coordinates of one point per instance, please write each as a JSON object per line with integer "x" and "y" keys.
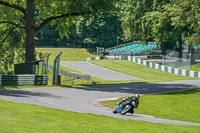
{"x": 127, "y": 106}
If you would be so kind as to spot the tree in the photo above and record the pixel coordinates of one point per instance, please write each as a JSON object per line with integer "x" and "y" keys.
{"x": 8, "y": 52}
{"x": 131, "y": 12}
{"x": 178, "y": 13}
{"x": 32, "y": 15}
{"x": 158, "y": 24}
{"x": 184, "y": 17}
{"x": 169, "y": 21}
{"x": 188, "y": 20}
{"x": 161, "y": 20}
{"x": 48, "y": 36}
{"x": 100, "y": 30}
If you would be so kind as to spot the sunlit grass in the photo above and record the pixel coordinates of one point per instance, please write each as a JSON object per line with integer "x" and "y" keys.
{"x": 22, "y": 118}
{"x": 136, "y": 70}
{"x": 179, "y": 106}
{"x": 68, "y": 54}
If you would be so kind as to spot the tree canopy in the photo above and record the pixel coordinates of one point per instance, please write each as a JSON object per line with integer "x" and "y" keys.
{"x": 162, "y": 20}
{"x": 91, "y": 23}
{"x": 31, "y": 15}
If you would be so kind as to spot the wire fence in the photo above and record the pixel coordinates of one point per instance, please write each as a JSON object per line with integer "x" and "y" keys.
{"x": 176, "y": 62}
{"x": 73, "y": 75}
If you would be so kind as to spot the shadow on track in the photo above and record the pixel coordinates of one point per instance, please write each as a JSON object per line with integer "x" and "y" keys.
{"x": 143, "y": 88}
{"x": 23, "y": 93}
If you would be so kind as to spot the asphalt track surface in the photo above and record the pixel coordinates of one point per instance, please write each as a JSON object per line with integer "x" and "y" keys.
{"x": 97, "y": 71}
{"x": 86, "y": 99}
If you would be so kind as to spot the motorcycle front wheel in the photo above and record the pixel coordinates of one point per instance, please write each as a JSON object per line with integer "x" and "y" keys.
{"x": 114, "y": 111}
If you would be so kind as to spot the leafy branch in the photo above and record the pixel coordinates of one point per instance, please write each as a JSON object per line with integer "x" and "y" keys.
{"x": 47, "y": 20}
{"x": 14, "y": 6}
{"x": 12, "y": 23}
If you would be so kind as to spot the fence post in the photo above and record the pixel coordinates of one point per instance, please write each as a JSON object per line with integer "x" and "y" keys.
{"x": 45, "y": 63}
{"x": 56, "y": 70}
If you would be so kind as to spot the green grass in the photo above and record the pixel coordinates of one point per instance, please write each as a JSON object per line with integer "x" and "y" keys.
{"x": 195, "y": 67}
{"x": 68, "y": 54}
{"x": 133, "y": 69}
{"x": 22, "y": 118}
{"x": 130, "y": 68}
{"x": 179, "y": 106}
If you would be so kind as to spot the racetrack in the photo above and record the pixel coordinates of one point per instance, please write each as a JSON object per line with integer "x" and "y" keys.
{"x": 97, "y": 71}
{"x": 86, "y": 99}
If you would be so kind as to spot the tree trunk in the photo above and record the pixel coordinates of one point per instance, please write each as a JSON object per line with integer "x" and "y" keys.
{"x": 30, "y": 32}
{"x": 163, "y": 48}
{"x": 191, "y": 54}
{"x": 180, "y": 48}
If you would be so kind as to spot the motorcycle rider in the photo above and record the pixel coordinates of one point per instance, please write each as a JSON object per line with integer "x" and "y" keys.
{"x": 136, "y": 100}
{"x": 130, "y": 100}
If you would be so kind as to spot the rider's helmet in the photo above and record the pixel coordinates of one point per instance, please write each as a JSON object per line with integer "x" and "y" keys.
{"x": 137, "y": 96}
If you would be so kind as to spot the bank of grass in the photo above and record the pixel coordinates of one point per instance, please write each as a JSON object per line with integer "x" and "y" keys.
{"x": 183, "y": 105}
{"x": 23, "y": 118}
{"x": 136, "y": 70}
{"x": 68, "y": 54}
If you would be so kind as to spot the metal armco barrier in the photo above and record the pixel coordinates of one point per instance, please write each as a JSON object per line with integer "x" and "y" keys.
{"x": 23, "y": 79}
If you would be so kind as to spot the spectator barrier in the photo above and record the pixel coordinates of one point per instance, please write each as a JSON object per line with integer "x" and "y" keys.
{"x": 157, "y": 66}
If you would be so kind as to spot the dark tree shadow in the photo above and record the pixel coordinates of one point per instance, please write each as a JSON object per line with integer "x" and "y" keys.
{"x": 144, "y": 88}
{"x": 24, "y": 93}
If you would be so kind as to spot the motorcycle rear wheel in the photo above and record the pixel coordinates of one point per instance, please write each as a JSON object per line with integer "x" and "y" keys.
{"x": 125, "y": 110}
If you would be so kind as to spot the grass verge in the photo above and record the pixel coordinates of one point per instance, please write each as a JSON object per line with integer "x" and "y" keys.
{"x": 136, "y": 70}
{"x": 23, "y": 118}
{"x": 183, "y": 105}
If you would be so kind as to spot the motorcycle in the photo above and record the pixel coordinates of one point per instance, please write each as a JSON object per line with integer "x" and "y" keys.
{"x": 126, "y": 106}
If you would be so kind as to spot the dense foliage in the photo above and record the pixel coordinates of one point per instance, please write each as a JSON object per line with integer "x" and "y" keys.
{"x": 92, "y": 23}
{"x": 27, "y": 17}
{"x": 99, "y": 30}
